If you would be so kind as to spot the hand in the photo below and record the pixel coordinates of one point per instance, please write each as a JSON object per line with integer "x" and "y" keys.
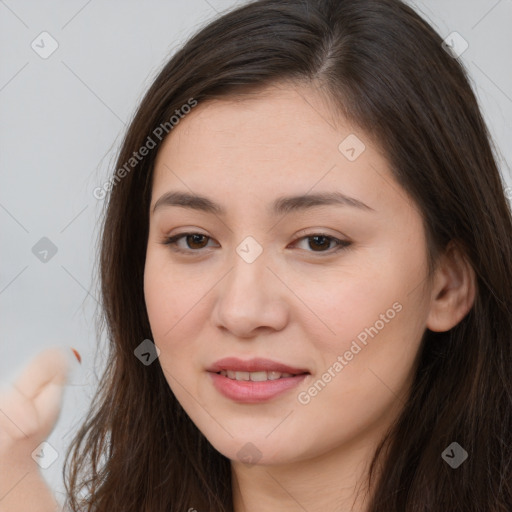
{"x": 30, "y": 407}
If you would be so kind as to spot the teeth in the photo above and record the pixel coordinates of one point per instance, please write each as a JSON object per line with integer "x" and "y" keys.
{"x": 254, "y": 376}
{"x": 258, "y": 376}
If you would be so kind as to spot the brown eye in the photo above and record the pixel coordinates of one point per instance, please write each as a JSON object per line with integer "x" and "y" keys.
{"x": 320, "y": 243}
{"x": 195, "y": 239}
{"x": 194, "y": 242}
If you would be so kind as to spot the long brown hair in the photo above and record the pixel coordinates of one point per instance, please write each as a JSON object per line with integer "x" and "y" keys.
{"x": 384, "y": 68}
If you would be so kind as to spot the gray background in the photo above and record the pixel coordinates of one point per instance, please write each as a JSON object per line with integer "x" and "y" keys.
{"x": 61, "y": 120}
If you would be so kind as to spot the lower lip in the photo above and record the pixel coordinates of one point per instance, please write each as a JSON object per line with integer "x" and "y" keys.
{"x": 248, "y": 391}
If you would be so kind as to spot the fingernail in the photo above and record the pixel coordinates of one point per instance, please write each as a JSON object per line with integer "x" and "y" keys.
{"x": 77, "y": 355}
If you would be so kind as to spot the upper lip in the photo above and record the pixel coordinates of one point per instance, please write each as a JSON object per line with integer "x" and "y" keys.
{"x": 257, "y": 364}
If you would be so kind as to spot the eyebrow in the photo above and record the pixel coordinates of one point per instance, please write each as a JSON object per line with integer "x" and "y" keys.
{"x": 281, "y": 206}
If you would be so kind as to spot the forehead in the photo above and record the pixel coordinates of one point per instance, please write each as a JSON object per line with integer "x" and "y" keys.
{"x": 280, "y": 121}
{"x": 281, "y": 139}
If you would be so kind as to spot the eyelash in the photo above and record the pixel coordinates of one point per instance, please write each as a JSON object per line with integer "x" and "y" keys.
{"x": 172, "y": 241}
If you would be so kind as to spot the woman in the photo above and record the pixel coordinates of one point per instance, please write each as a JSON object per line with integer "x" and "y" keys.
{"x": 306, "y": 277}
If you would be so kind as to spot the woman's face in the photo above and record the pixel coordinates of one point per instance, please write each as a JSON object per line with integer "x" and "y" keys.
{"x": 264, "y": 278}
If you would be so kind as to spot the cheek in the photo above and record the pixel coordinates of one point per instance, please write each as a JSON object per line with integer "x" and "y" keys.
{"x": 363, "y": 384}
{"x": 177, "y": 314}
{"x": 169, "y": 296}
{"x": 348, "y": 303}
{"x": 375, "y": 323}
{"x": 167, "y": 307}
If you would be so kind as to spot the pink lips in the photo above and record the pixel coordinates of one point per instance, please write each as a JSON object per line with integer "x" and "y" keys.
{"x": 249, "y": 391}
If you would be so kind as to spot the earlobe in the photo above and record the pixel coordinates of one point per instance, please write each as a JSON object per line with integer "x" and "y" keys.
{"x": 453, "y": 292}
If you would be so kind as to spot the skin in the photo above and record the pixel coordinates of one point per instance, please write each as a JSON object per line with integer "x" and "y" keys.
{"x": 30, "y": 407}
{"x": 299, "y": 303}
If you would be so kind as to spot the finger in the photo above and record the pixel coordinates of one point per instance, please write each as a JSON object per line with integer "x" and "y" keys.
{"x": 18, "y": 416}
{"x": 48, "y": 405}
{"x": 50, "y": 366}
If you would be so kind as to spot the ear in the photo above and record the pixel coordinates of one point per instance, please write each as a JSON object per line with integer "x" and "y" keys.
{"x": 453, "y": 292}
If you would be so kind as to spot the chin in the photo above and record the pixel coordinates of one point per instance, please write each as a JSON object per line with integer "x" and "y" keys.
{"x": 258, "y": 451}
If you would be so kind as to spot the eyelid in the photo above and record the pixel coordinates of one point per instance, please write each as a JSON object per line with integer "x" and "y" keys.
{"x": 341, "y": 243}
{"x": 316, "y": 231}
{"x": 172, "y": 242}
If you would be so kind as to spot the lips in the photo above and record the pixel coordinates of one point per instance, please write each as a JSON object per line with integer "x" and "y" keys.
{"x": 255, "y": 380}
{"x": 254, "y": 365}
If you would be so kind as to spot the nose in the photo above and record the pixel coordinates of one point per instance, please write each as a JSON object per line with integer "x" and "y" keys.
{"x": 250, "y": 299}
